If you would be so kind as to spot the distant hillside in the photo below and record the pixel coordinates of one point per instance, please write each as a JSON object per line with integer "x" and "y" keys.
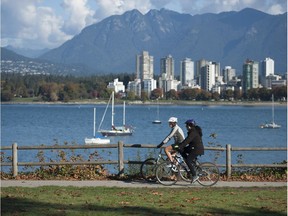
{"x": 229, "y": 38}
{"x": 30, "y": 53}
{"x": 7, "y": 54}
{"x": 12, "y": 62}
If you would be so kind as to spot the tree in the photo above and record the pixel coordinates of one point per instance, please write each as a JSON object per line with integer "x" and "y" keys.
{"x": 131, "y": 95}
{"x": 172, "y": 95}
{"x": 156, "y": 93}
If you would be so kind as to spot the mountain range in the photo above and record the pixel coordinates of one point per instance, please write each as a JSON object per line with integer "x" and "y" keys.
{"x": 229, "y": 38}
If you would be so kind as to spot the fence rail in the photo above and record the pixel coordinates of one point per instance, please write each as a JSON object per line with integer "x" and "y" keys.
{"x": 120, "y": 162}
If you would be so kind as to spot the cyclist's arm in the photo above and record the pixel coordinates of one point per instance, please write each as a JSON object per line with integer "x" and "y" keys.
{"x": 170, "y": 135}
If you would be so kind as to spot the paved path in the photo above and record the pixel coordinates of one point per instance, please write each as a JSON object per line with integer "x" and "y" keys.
{"x": 114, "y": 183}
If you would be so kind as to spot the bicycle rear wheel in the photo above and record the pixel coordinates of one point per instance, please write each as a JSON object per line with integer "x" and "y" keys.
{"x": 208, "y": 174}
{"x": 166, "y": 174}
{"x": 148, "y": 168}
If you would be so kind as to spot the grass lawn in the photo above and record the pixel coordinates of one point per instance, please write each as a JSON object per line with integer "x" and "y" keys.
{"x": 143, "y": 201}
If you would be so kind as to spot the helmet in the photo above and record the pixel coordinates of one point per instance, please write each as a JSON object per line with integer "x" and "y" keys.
{"x": 172, "y": 119}
{"x": 190, "y": 122}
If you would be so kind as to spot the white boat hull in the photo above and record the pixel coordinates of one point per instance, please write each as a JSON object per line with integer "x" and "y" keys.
{"x": 126, "y": 132}
{"x": 97, "y": 141}
{"x": 270, "y": 125}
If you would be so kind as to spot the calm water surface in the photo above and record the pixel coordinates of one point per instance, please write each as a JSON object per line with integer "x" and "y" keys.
{"x": 235, "y": 125}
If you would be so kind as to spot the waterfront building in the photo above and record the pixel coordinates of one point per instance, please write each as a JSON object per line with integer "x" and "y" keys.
{"x": 187, "y": 72}
{"x": 116, "y": 86}
{"x": 144, "y": 66}
{"x": 228, "y": 74}
{"x": 167, "y": 67}
{"x": 267, "y": 69}
{"x": 208, "y": 76}
{"x": 135, "y": 86}
{"x": 250, "y": 78}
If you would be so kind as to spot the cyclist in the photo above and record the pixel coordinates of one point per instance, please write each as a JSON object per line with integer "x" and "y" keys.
{"x": 178, "y": 135}
{"x": 192, "y": 146}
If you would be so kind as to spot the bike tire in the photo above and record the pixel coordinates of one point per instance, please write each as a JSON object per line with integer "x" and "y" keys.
{"x": 147, "y": 169}
{"x": 166, "y": 175}
{"x": 208, "y": 174}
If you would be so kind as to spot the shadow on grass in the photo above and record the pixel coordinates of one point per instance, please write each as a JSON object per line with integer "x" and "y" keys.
{"x": 16, "y": 206}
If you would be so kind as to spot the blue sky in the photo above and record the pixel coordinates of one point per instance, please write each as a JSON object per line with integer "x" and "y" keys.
{"x": 41, "y": 24}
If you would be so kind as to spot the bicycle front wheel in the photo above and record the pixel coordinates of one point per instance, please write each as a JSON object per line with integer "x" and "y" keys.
{"x": 148, "y": 168}
{"x": 208, "y": 174}
{"x": 166, "y": 173}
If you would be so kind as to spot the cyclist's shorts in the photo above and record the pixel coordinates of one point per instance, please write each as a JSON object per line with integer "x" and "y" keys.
{"x": 175, "y": 146}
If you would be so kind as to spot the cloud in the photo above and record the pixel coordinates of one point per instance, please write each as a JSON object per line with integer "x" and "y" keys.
{"x": 113, "y": 7}
{"x": 26, "y": 24}
{"x": 80, "y": 15}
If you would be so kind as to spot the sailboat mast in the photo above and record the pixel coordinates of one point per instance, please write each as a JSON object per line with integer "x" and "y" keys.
{"x": 112, "y": 119}
{"x": 94, "y": 125}
{"x": 272, "y": 108}
{"x": 124, "y": 114}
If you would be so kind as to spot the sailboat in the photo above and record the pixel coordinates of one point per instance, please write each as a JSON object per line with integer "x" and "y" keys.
{"x": 119, "y": 130}
{"x": 157, "y": 121}
{"x": 94, "y": 139}
{"x": 272, "y": 124}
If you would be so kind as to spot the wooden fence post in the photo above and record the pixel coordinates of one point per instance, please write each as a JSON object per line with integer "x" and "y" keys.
{"x": 120, "y": 158}
{"x": 14, "y": 159}
{"x": 228, "y": 160}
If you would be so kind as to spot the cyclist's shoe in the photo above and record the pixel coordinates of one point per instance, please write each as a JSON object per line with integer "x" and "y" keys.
{"x": 194, "y": 179}
{"x": 173, "y": 167}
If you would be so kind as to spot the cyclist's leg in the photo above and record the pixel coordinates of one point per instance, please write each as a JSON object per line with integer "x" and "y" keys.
{"x": 168, "y": 151}
{"x": 190, "y": 161}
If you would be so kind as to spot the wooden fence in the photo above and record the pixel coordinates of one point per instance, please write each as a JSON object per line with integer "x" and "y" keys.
{"x": 120, "y": 162}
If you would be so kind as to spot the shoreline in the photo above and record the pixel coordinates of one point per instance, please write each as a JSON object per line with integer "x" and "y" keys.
{"x": 161, "y": 103}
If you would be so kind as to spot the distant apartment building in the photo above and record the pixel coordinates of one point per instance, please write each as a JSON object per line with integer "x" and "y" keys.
{"x": 199, "y": 65}
{"x": 267, "y": 69}
{"x": 228, "y": 74}
{"x": 250, "y": 78}
{"x": 145, "y": 73}
{"x": 187, "y": 72}
{"x": 166, "y": 80}
{"x": 144, "y": 66}
{"x": 167, "y": 67}
{"x": 116, "y": 86}
{"x": 135, "y": 86}
{"x": 208, "y": 76}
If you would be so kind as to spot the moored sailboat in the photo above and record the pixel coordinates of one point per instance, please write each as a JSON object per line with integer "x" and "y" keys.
{"x": 116, "y": 130}
{"x": 272, "y": 125}
{"x": 94, "y": 139}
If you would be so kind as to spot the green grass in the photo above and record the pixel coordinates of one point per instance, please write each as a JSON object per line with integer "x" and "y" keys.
{"x": 143, "y": 201}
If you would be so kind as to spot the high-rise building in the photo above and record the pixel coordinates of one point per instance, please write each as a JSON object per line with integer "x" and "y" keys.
{"x": 250, "y": 75}
{"x": 144, "y": 66}
{"x": 199, "y": 65}
{"x": 228, "y": 74}
{"x": 167, "y": 67}
{"x": 208, "y": 76}
{"x": 267, "y": 69}
{"x": 187, "y": 72}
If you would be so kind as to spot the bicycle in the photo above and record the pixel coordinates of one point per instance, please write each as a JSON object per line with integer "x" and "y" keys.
{"x": 168, "y": 173}
{"x": 148, "y": 167}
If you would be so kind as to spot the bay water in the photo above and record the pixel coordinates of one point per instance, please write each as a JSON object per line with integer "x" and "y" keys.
{"x": 49, "y": 124}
